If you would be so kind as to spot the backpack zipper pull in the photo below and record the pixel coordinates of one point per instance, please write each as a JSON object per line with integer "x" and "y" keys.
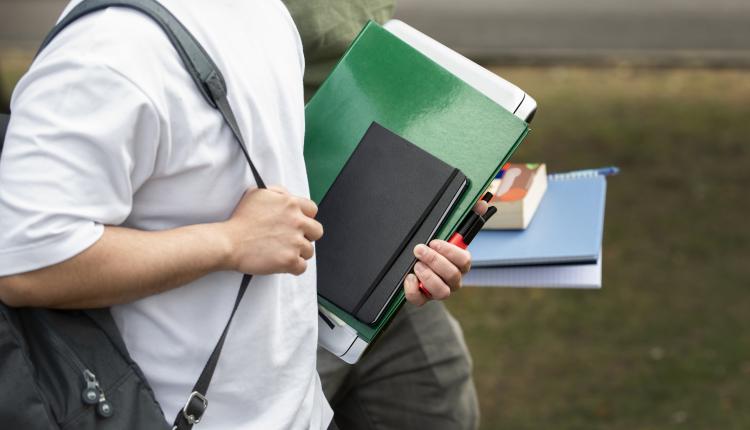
{"x": 90, "y": 393}
{"x": 104, "y": 408}
{"x": 94, "y": 395}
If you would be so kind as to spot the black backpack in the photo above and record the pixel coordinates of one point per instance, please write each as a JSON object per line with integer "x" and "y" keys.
{"x": 71, "y": 369}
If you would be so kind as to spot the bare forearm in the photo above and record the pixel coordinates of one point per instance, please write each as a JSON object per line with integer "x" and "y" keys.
{"x": 122, "y": 266}
{"x": 270, "y": 231}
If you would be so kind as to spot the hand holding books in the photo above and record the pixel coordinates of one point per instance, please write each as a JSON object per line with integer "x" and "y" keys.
{"x": 446, "y": 105}
{"x": 469, "y": 227}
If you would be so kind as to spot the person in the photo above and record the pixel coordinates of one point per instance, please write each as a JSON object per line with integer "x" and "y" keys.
{"x": 418, "y": 374}
{"x": 121, "y": 187}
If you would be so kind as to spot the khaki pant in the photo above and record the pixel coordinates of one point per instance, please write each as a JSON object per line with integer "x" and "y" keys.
{"x": 417, "y": 375}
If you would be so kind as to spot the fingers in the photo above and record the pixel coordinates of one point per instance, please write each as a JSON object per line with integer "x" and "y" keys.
{"x": 411, "y": 291}
{"x": 438, "y": 289}
{"x": 271, "y": 231}
{"x": 460, "y": 258}
{"x": 305, "y": 221}
{"x": 296, "y": 262}
{"x": 481, "y": 207}
{"x": 312, "y": 229}
{"x": 306, "y": 249}
{"x": 446, "y": 260}
{"x": 440, "y": 269}
{"x": 307, "y": 206}
{"x": 299, "y": 268}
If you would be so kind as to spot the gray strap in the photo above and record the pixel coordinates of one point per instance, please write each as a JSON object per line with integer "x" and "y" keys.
{"x": 4, "y": 120}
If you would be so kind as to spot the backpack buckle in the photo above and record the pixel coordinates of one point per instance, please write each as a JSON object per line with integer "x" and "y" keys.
{"x": 195, "y": 407}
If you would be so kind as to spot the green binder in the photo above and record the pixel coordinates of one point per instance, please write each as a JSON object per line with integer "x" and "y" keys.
{"x": 382, "y": 79}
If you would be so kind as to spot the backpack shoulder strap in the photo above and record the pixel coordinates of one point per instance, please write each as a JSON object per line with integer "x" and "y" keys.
{"x": 202, "y": 69}
{"x": 4, "y": 120}
{"x": 211, "y": 84}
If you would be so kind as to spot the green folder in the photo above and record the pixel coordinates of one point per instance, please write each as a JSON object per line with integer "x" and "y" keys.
{"x": 381, "y": 78}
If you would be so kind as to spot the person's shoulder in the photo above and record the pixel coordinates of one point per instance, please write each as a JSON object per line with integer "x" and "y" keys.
{"x": 126, "y": 41}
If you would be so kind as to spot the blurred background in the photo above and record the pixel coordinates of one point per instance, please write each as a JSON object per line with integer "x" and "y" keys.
{"x": 660, "y": 88}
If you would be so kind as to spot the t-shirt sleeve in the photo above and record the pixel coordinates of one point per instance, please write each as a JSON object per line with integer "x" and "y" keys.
{"x": 81, "y": 140}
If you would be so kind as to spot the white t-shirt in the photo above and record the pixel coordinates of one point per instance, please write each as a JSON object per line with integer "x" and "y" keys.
{"x": 109, "y": 129}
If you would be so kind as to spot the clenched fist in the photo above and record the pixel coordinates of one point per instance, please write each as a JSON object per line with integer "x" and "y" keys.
{"x": 271, "y": 231}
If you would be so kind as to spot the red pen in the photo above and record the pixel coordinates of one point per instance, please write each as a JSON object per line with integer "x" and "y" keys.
{"x": 468, "y": 228}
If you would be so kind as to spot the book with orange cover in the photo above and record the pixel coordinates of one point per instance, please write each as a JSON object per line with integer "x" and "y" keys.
{"x": 518, "y": 189}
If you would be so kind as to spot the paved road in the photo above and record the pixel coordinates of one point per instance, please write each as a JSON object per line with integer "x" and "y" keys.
{"x": 715, "y": 30}
{"x": 526, "y": 30}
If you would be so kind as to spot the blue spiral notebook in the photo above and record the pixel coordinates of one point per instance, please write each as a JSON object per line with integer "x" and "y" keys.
{"x": 574, "y": 275}
{"x": 567, "y": 229}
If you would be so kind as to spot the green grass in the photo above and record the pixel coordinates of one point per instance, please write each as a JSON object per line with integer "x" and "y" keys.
{"x": 666, "y": 342}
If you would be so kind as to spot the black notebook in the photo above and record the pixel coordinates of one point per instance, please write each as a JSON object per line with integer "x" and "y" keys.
{"x": 390, "y": 196}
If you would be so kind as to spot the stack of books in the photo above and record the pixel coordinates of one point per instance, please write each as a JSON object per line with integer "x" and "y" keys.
{"x": 560, "y": 248}
{"x": 401, "y": 140}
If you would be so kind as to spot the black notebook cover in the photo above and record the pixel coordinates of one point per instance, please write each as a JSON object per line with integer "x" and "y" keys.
{"x": 390, "y": 283}
{"x": 380, "y": 200}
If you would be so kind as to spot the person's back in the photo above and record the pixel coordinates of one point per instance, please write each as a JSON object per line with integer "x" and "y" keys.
{"x": 122, "y": 137}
